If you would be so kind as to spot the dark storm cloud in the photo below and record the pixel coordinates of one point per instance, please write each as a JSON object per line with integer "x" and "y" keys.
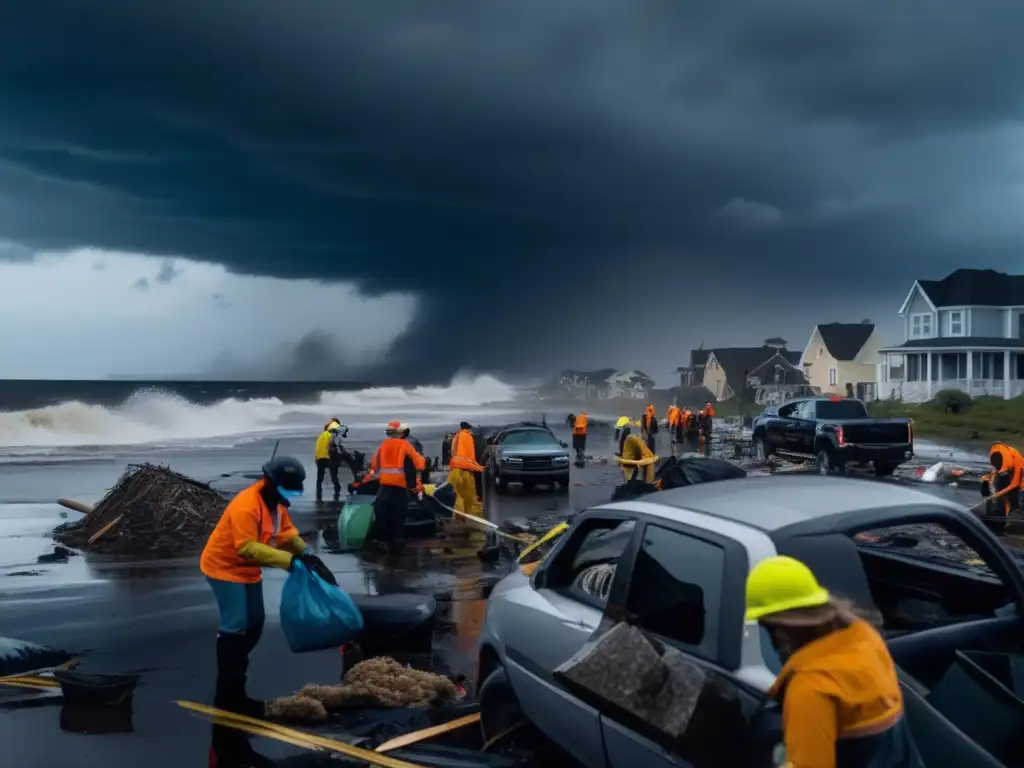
{"x": 528, "y": 166}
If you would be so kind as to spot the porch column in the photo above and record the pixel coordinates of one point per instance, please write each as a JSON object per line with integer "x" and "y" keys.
{"x": 928, "y": 375}
{"x": 1006, "y": 374}
{"x": 970, "y": 371}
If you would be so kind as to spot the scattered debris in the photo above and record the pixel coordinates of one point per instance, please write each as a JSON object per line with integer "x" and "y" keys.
{"x": 379, "y": 682}
{"x": 151, "y": 510}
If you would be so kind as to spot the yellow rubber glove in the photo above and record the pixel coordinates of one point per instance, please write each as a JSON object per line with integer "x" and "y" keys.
{"x": 265, "y": 555}
{"x": 295, "y": 545}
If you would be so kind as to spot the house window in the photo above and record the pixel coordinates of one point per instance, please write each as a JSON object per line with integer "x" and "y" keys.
{"x": 831, "y": 377}
{"x": 952, "y": 366}
{"x": 921, "y": 326}
{"x": 956, "y": 323}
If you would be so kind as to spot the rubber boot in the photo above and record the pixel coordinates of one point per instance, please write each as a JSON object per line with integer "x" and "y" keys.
{"x": 232, "y": 667}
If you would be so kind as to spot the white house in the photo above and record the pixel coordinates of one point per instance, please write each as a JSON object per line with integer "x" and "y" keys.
{"x": 629, "y": 384}
{"x": 963, "y": 332}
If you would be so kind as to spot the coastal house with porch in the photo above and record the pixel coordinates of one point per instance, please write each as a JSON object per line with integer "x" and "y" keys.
{"x": 963, "y": 332}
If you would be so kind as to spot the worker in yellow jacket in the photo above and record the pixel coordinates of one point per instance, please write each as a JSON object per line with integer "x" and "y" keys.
{"x": 327, "y": 460}
{"x": 462, "y": 468}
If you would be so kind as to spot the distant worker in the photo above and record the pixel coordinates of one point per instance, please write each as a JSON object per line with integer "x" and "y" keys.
{"x": 841, "y": 700}
{"x": 634, "y": 449}
{"x": 673, "y": 420}
{"x": 254, "y": 532}
{"x": 463, "y": 469}
{"x": 623, "y": 428}
{"x": 1005, "y": 480}
{"x": 388, "y": 466}
{"x": 649, "y": 427}
{"x": 705, "y": 426}
{"x": 579, "y": 437}
{"x": 446, "y": 448}
{"x": 327, "y": 459}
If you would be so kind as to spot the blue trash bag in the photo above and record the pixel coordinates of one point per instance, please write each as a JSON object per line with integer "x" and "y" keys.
{"x": 316, "y": 615}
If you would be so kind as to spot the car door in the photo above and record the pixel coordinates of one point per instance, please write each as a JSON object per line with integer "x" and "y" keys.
{"x": 549, "y": 632}
{"x": 775, "y": 428}
{"x": 800, "y": 429}
{"x": 686, "y": 588}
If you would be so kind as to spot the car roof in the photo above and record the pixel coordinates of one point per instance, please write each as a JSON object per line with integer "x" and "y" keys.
{"x": 770, "y": 503}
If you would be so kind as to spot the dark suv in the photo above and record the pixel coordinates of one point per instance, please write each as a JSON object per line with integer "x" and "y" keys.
{"x": 526, "y": 453}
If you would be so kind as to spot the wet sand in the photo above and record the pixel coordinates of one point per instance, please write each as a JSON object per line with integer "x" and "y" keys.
{"x": 158, "y": 617}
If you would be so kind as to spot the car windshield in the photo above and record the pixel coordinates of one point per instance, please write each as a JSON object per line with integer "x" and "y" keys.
{"x": 530, "y": 437}
{"x": 840, "y": 409}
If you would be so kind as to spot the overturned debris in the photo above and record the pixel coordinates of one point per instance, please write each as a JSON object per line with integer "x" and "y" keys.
{"x": 151, "y": 510}
{"x": 379, "y": 682}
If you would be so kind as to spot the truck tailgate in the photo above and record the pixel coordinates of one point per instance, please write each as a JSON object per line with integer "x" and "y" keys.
{"x": 878, "y": 432}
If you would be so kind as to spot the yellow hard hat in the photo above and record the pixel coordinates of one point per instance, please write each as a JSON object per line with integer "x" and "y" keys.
{"x": 622, "y": 422}
{"x": 780, "y": 584}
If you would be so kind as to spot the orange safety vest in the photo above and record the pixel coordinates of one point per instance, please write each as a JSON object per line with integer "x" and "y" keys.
{"x": 464, "y": 452}
{"x": 685, "y": 417}
{"x": 673, "y": 416}
{"x": 388, "y": 463}
{"x": 580, "y": 427}
{"x": 246, "y": 518}
{"x": 1013, "y": 462}
{"x": 709, "y": 411}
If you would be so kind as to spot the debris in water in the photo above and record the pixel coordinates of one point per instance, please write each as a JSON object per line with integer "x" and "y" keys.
{"x": 151, "y": 510}
{"x": 20, "y": 656}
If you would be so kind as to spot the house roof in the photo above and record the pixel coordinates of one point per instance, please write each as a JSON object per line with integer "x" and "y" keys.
{"x": 699, "y": 357}
{"x": 739, "y": 362}
{"x": 796, "y": 375}
{"x": 975, "y": 287}
{"x": 958, "y": 342}
{"x": 844, "y": 341}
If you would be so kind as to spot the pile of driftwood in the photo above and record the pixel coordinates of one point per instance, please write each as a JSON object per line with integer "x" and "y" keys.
{"x": 151, "y": 511}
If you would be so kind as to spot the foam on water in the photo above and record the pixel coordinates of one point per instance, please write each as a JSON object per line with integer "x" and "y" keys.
{"x": 156, "y": 418}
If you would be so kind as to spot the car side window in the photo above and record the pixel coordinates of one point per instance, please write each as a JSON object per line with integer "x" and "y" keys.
{"x": 788, "y": 411}
{"x": 586, "y": 566}
{"x": 675, "y": 589}
{"x": 805, "y": 410}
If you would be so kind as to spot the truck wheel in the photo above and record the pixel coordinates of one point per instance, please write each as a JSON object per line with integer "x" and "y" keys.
{"x": 499, "y": 707}
{"x": 760, "y": 449}
{"x": 562, "y": 481}
{"x": 885, "y": 470}
{"x": 824, "y": 464}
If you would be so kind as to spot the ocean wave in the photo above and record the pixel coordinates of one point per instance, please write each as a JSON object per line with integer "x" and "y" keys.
{"x": 152, "y": 416}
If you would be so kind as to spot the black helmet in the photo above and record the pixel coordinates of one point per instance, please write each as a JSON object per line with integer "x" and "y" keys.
{"x": 285, "y": 472}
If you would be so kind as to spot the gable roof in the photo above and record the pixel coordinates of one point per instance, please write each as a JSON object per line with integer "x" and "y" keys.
{"x": 844, "y": 341}
{"x": 975, "y": 287}
{"x": 739, "y": 362}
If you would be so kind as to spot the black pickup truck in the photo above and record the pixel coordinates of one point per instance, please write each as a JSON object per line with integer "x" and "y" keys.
{"x": 835, "y": 432}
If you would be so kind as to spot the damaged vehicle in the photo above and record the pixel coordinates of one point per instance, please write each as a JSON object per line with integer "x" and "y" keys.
{"x": 674, "y": 565}
{"x": 835, "y": 432}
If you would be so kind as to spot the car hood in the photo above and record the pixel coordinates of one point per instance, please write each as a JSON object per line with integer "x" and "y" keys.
{"x": 534, "y": 450}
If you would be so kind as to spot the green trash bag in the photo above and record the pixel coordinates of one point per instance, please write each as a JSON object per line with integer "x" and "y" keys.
{"x": 354, "y": 521}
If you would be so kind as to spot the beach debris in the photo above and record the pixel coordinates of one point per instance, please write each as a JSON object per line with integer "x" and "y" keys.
{"x": 151, "y": 510}
{"x": 378, "y": 682}
{"x": 20, "y": 657}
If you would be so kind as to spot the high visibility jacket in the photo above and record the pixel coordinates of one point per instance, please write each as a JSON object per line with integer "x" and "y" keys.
{"x": 709, "y": 411}
{"x": 580, "y": 426}
{"x": 1012, "y": 465}
{"x": 685, "y": 417}
{"x": 323, "y": 446}
{"x": 464, "y": 452}
{"x": 673, "y": 416}
{"x": 248, "y": 526}
{"x": 388, "y": 463}
{"x": 635, "y": 449}
{"x": 841, "y": 702}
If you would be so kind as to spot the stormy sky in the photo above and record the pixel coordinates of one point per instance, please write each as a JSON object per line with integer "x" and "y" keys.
{"x": 406, "y": 189}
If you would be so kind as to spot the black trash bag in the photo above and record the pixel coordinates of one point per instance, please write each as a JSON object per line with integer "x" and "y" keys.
{"x": 676, "y": 473}
{"x": 84, "y": 689}
{"x": 20, "y": 656}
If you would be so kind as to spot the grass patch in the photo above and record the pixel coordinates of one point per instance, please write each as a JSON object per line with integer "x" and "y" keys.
{"x": 953, "y": 415}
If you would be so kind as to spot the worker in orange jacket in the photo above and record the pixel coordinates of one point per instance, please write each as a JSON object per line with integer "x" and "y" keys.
{"x": 579, "y": 436}
{"x": 463, "y": 469}
{"x": 840, "y": 696}
{"x": 649, "y": 427}
{"x": 1006, "y": 477}
{"x": 395, "y": 464}
{"x": 705, "y": 425}
{"x": 254, "y": 532}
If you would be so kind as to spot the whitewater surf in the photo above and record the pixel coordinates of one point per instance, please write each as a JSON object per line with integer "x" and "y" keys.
{"x": 153, "y": 416}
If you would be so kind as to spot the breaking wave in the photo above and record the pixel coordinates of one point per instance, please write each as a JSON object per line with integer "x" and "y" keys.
{"x": 156, "y": 416}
